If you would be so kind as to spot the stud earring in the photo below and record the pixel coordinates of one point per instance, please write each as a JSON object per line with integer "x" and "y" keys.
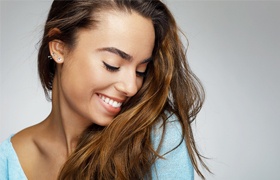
{"x": 51, "y": 56}
{"x": 59, "y": 59}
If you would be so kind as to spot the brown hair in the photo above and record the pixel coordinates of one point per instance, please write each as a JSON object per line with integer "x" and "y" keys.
{"x": 123, "y": 149}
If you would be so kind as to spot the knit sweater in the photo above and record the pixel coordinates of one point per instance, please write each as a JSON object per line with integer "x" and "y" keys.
{"x": 175, "y": 165}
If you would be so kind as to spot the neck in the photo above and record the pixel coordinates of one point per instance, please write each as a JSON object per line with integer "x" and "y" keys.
{"x": 64, "y": 125}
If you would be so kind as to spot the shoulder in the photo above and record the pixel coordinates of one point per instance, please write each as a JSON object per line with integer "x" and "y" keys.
{"x": 176, "y": 163}
{"x": 169, "y": 131}
{"x": 24, "y": 137}
{"x": 26, "y": 148}
{"x": 23, "y": 142}
{"x": 10, "y": 167}
{"x": 6, "y": 149}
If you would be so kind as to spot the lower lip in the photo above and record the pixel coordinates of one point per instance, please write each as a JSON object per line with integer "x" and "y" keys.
{"x": 110, "y": 109}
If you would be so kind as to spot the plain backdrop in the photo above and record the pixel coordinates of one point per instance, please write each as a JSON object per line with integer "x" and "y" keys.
{"x": 233, "y": 48}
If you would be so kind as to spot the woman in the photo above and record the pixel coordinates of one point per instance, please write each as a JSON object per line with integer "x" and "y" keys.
{"x": 122, "y": 97}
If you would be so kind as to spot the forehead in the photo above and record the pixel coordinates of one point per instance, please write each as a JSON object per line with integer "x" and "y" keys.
{"x": 128, "y": 31}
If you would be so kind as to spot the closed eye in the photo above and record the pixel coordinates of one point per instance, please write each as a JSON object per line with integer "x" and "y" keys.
{"x": 111, "y": 68}
{"x": 141, "y": 74}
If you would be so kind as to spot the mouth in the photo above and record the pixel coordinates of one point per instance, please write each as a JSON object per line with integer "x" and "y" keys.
{"x": 110, "y": 101}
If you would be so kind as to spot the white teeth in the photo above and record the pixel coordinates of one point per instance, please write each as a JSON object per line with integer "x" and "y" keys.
{"x": 111, "y": 101}
{"x": 115, "y": 104}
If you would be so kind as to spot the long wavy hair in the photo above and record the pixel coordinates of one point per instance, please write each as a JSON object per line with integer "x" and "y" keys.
{"x": 124, "y": 149}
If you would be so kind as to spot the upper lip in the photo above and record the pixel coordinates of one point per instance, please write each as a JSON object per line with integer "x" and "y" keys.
{"x": 113, "y": 98}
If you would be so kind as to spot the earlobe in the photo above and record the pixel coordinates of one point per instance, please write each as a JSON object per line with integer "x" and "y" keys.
{"x": 56, "y": 48}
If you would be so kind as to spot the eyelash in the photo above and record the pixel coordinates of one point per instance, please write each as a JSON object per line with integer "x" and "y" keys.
{"x": 111, "y": 68}
{"x": 115, "y": 69}
{"x": 141, "y": 74}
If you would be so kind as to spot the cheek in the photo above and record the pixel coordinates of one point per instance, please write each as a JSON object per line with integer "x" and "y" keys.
{"x": 77, "y": 78}
{"x": 139, "y": 83}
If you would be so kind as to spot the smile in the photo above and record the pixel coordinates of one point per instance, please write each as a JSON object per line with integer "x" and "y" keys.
{"x": 111, "y": 102}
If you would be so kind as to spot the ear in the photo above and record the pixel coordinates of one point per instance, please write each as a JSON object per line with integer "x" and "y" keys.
{"x": 56, "y": 47}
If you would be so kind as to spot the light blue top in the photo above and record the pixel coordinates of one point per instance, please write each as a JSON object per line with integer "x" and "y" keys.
{"x": 10, "y": 167}
{"x": 176, "y": 165}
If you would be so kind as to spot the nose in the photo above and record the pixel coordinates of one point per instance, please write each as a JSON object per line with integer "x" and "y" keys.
{"x": 127, "y": 85}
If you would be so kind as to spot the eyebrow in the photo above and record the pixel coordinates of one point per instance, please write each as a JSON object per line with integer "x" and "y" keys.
{"x": 122, "y": 54}
{"x": 147, "y": 60}
{"x": 118, "y": 52}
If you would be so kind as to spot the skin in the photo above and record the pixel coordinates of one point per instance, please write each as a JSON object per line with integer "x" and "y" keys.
{"x": 82, "y": 76}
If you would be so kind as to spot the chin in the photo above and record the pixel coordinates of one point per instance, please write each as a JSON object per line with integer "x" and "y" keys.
{"x": 103, "y": 122}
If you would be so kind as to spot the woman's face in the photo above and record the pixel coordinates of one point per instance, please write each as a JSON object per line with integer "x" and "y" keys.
{"x": 106, "y": 66}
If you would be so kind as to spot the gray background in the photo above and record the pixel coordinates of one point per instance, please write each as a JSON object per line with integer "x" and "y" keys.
{"x": 234, "y": 49}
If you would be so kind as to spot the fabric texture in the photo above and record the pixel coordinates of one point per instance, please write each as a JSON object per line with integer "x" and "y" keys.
{"x": 175, "y": 165}
{"x": 10, "y": 168}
